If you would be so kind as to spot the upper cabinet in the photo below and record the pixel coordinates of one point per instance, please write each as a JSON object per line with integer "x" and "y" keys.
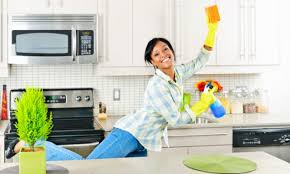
{"x": 247, "y": 34}
{"x": 129, "y": 26}
{"x": 151, "y": 19}
{"x": 190, "y": 30}
{"x": 52, "y": 6}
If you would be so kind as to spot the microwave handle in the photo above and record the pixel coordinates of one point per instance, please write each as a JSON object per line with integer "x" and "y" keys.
{"x": 74, "y": 44}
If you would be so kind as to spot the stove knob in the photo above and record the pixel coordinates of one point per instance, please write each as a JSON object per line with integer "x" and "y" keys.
{"x": 78, "y": 98}
{"x": 87, "y": 98}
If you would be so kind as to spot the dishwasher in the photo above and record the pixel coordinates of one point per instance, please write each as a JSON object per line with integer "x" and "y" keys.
{"x": 275, "y": 141}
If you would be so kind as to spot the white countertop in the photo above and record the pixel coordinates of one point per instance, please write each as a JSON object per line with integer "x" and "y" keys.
{"x": 231, "y": 120}
{"x": 163, "y": 163}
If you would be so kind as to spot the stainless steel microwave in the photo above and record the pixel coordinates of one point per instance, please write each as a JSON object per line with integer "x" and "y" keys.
{"x": 52, "y": 39}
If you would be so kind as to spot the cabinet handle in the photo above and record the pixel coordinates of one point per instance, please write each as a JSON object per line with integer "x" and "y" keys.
{"x": 190, "y": 135}
{"x": 61, "y": 3}
{"x": 48, "y": 4}
{"x": 253, "y": 30}
{"x": 243, "y": 30}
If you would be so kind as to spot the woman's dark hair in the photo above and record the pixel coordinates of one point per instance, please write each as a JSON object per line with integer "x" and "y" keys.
{"x": 151, "y": 44}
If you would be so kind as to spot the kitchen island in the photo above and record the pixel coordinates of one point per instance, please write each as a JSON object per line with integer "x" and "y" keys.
{"x": 163, "y": 163}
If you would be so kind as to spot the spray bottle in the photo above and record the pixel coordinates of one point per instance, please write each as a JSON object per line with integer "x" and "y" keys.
{"x": 216, "y": 108}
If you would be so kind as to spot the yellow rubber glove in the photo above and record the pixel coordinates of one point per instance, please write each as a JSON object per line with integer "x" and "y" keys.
{"x": 210, "y": 38}
{"x": 206, "y": 99}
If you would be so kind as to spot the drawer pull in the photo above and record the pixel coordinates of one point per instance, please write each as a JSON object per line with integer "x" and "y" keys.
{"x": 216, "y": 134}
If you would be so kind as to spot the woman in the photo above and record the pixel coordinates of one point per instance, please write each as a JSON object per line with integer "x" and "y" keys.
{"x": 143, "y": 130}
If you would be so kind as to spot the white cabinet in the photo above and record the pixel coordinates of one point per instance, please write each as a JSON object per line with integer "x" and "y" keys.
{"x": 129, "y": 25}
{"x": 150, "y": 19}
{"x": 30, "y": 6}
{"x": 75, "y": 6}
{"x": 191, "y": 30}
{"x": 248, "y": 33}
{"x": 118, "y": 33}
{"x": 52, "y": 6}
{"x": 247, "y": 38}
{"x": 264, "y": 28}
{"x": 200, "y": 140}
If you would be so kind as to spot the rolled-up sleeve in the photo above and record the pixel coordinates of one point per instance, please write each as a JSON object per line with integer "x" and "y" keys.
{"x": 163, "y": 104}
{"x": 188, "y": 69}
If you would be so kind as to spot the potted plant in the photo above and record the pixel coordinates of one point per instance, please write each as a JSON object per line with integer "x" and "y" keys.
{"x": 33, "y": 124}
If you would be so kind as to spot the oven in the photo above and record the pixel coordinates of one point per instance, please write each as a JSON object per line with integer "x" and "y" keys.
{"x": 73, "y": 118}
{"x": 52, "y": 39}
{"x": 274, "y": 140}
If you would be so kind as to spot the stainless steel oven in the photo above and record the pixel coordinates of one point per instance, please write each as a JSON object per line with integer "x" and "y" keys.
{"x": 52, "y": 39}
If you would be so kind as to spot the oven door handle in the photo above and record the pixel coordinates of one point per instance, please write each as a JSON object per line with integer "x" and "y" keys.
{"x": 74, "y": 44}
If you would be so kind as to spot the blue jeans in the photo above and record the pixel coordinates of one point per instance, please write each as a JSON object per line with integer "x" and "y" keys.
{"x": 117, "y": 144}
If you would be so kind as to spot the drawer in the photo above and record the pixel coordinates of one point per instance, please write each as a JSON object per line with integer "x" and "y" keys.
{"x": 199, "y": 137}
{"x": 210, "y": 149}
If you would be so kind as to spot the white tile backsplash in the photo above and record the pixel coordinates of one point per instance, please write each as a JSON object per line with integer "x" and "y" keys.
{"x": 132, "y": 87}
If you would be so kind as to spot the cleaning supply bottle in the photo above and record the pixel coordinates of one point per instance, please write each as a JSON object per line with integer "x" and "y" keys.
{"x": 216, "y": 107}
{"x": 4, "y": 115}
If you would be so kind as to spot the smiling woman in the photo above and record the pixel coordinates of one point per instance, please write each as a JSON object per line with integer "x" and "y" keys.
{"x": 138, "y": 132}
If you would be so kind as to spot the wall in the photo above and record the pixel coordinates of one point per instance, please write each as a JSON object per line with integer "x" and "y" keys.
{"x": 278, "y": 82}
{"x": 132, "y": 87}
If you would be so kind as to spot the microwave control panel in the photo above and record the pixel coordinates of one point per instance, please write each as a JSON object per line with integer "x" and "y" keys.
{"x": 85, "y": 42}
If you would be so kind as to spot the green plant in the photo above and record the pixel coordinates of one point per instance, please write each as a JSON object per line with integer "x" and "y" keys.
{"x": 33, "y": 123}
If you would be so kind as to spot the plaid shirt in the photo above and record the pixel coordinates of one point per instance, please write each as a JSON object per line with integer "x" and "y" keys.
{"x": 162, "y": 100}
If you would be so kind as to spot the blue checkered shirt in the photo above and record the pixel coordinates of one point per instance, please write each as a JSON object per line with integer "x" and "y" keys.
{"x": 162, "y": 100}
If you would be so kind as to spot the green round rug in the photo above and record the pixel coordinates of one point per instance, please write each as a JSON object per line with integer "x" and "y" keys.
{"x": 215, "y": 163}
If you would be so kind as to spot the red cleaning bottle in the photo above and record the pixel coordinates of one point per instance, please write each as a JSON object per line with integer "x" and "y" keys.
{"x": 4, "y": 115}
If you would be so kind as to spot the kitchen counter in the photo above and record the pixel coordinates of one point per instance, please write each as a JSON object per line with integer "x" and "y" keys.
{"x": 165, "y": 163}
{"x": 231, "y": 120}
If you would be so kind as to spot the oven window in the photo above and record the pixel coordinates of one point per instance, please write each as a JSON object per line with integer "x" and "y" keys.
{"x": 42, "y": 42}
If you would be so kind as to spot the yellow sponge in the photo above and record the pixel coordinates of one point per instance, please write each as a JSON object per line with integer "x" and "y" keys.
{"x": 212, "y": 13}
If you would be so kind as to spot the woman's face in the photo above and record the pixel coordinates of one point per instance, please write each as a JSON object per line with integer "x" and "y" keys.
{"x": 162, "y": 56}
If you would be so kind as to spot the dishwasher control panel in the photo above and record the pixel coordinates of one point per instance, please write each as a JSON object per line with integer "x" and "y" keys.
{"x": 261, "y": 137}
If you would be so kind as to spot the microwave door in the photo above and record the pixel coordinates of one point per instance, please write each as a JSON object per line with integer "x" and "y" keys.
{"x": 42, "y": 47}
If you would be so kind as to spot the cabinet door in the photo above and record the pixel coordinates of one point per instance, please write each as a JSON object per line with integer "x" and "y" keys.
{"x": 264, "y": 28}
{"x": 231, "y": 37}
{"x": 75, "y": 7}
{"x": 30, "y": 6}
{"x": 191, "y": 30}
{"x": 118, "y": 49}
{"x": 150, "y": 19}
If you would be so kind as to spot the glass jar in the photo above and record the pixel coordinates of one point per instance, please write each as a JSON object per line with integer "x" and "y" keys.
{"x": 236, "y": 101}
{"x": 262, "y": 104}
{"x": 224, "y": 99}
{"x": 249, "y": 104}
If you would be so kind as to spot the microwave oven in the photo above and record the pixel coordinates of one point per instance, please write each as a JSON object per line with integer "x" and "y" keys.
{"x": 52, "y": 39}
